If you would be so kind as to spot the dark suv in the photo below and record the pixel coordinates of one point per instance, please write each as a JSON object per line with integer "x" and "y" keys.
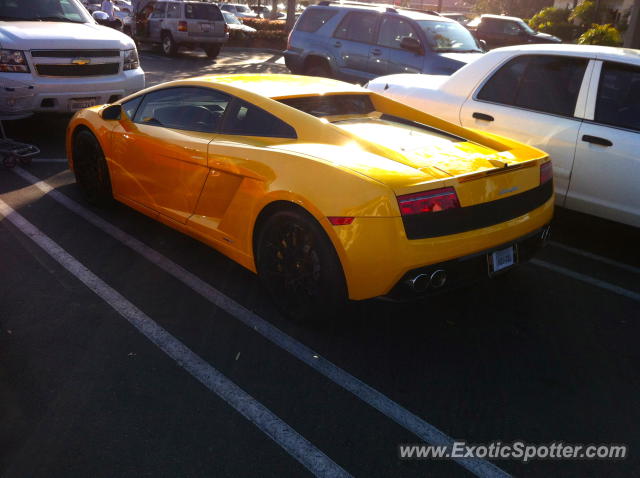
{"x": 360, "y": 42}
{"x": 498, "y": 30}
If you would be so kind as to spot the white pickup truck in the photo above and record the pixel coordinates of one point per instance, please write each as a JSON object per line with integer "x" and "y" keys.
{"x": 71, "y": 62}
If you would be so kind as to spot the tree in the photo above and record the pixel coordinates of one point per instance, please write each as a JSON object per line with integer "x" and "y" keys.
{"x": 601, "y": 35}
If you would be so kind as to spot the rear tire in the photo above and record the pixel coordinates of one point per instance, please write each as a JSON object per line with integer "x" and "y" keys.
{"x": 212, "y": 51}
{"x": 91, "y": 170}
{"x": 169, "y": 47}
{"x": 299, "y": 266}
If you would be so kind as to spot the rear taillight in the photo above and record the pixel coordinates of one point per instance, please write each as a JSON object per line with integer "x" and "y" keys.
{"x": 428, "y": 201}
{"x": 340, "y": 220}
{"x": 546, "y": 172}
{"x": 182, "y": 26}
{"x": 226, "y": 28}
{"x": 289, "y": 40}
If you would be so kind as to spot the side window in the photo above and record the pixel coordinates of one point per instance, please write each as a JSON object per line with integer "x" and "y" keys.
{"x": 159, "y": 10}
{"x": 245, "y": 119}
{"x": 618, "y": 102}
{"x": 488, "y": 25}
{"x": 357, "y": 26}
{"x": 131, "y": 106}
{"x": 393, "y": 30}
{"x": 173, "y": 10}
{"x": 313, "y": 19}
{"x": 185, "y": 108}
{"x": 549, "y": 84}
{"x": 510, "y": 28}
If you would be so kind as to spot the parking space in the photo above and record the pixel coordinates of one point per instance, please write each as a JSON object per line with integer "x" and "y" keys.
{"x": 128, "y": 349}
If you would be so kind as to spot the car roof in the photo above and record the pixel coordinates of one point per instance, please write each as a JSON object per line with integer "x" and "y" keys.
{"x": 413, "y": 14}
{"x": 590, "y": 51}
{"x": 501, "y": 17}
{"x": 280, "y": 85}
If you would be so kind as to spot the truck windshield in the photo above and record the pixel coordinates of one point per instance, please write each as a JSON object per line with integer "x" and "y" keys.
{"x": 44, "y": 10}
{"x": 448, "y": 37}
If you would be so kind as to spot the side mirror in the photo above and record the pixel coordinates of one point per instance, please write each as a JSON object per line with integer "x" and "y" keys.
{"x": 411, "y": 44}
{"x": 483, "y": 45}
{"x": 111, "y": 112}
{"x": 100, "y": 17}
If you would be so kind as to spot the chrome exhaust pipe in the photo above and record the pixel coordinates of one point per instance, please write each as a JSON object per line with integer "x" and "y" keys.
{"x": 438, "y": 278}
{"x": 422, "y": 282}
{"x": 419, "y": 283}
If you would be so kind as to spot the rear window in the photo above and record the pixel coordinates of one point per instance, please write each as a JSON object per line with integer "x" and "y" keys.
{"x": 313, "y": 19}
{"x": 203, "y": 12}
{"x": 332, "y": 105}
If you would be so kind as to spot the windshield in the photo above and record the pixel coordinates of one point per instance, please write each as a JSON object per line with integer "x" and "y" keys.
{"x": 243, "y": 9}
{"x": 448, "y": 37}
{"x": 526, "y": 27}
{"x": 44, "y": 10}
{"x": 231, "y": 18}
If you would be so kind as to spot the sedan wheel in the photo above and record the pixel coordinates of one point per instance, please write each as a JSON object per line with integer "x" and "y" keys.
{"x": 299, "y": 266}
{"x": 90, "y": 167}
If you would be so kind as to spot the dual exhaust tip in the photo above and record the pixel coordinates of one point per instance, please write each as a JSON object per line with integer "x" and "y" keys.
{"x": 422, "y": 282}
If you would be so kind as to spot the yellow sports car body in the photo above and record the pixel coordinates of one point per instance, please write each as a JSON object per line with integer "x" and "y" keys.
{"x": 327, "y": 190}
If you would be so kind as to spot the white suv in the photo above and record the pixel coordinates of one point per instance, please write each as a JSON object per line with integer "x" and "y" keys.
{"x": 56, "y": 47}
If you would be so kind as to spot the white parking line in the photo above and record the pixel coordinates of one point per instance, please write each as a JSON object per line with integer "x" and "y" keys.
{"x": 364, "y": 392}
{"x": 588, "y": 279}
{"x": 595, "y": 257}
{"x": 296, "y": 445}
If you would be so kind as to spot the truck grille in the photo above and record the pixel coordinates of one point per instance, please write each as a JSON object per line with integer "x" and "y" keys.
{"x": 74, "y": 53}
{"x": 78, "y": 70}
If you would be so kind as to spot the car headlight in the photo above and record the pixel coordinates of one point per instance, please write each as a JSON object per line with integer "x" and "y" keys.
{"x": 13, "y": 61}
{"x": 131, "y": 60}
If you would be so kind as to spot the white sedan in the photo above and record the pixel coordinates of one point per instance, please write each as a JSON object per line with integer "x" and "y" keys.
{"x": 581, "y": 104}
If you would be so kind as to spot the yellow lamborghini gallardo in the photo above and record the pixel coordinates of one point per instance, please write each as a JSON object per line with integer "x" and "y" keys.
{"x": 326, "y": 190}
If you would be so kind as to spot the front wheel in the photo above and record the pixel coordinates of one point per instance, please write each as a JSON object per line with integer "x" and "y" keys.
{"x": 169, "y": 47}
{"x": 212, "y": 51}
{"x": 299, "y": 266}
{"x": 91, "y": 170}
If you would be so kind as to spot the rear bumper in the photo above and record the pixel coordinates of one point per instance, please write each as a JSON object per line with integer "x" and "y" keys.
{"x": 376, "y": 254}
{"x": 450, "y": 275}
{"x": 294, "y": 61}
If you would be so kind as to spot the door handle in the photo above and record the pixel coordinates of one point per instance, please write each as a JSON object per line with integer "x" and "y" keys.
{"x": 337, "y": 44}
{"x": 482, "y": 116}
{"x": 376, "y": 52}
{"x": 596, "y": 140}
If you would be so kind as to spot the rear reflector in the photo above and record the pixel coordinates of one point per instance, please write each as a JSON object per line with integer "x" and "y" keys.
{"x": 340, "y": 220}
{"x": 546, "y": 172}
{"x": 428, "y": 201}
{"x": 182, "y": 26}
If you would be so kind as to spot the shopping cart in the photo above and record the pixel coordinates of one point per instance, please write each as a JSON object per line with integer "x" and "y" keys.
{"x": 16, "y": 102}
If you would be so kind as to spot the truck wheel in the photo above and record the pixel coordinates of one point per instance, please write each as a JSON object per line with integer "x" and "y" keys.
{"x": 212, "y": 51}
{"x": 169, "y": 47}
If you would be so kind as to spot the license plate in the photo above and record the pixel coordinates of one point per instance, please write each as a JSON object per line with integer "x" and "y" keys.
{"x": 206, "y": 27}
{"x": 502, "y": 259}
{"x": 80, "y": 103}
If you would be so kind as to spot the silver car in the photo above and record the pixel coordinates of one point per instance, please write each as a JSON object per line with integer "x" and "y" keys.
{"x": 175, "y": 24}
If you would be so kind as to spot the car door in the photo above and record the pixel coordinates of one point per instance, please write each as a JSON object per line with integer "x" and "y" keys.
{"x": 155, "y": 21}
{"x": 352, "y": 42}
{"x": 160, "y": 158}
{"x": 387, "y": 57}
{"x": 606, "y": 170}
{"x": 237, "y": 172}
{"x": 533, "y": 99}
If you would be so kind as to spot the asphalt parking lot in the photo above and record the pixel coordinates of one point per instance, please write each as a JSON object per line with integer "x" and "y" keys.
{"x": 129, "y": 350}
